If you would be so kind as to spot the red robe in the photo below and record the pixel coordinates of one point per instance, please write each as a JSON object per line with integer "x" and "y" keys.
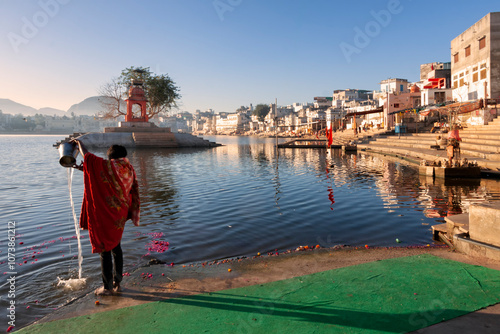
{"x": 110, "y": 198}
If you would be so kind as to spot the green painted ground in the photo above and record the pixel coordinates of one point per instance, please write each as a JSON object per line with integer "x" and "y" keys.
{"x": 389, "y": 296}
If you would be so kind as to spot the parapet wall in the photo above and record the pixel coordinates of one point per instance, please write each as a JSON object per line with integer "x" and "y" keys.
{"x": 484, "y": 223}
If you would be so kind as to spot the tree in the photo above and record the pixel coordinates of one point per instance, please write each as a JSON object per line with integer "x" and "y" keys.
{"x": 261, "y": 111}
{"x": 161, "y": 92}
{"x": 39, "y": 119}
{"x": 112, "y": 98}
{"x": 19, "y": 122}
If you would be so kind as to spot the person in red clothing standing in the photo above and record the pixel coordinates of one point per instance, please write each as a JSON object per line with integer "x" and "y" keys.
{"x": 110, "y": 198}
{"x": 453, "y": 144}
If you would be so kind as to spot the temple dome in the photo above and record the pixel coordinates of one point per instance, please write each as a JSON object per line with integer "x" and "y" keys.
{"x": 136, "y": 93}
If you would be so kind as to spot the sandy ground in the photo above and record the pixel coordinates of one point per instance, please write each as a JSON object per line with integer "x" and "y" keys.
{"x": 159, "y": 281}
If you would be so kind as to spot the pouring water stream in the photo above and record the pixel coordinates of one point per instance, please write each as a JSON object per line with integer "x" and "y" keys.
{"x": 74, "y": 283}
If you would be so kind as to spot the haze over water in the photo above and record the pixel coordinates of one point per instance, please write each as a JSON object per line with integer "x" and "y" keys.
{"x": 230, "y": 201}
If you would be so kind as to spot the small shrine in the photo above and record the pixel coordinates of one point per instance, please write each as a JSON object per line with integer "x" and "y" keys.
{"x": 136, "y": 97}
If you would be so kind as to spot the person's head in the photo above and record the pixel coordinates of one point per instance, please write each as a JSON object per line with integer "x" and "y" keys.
{"x": 117, "y": 152}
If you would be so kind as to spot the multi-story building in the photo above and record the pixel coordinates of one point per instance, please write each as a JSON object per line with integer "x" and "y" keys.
{"x": 237, "y": 122}
{"x": 394, "y": 85}
{"x": 343, "y": 96}
{"x": 475, "y": 60}
{"x": 435, "y": 83}
{"x": 59, "y": 124}
{"x": 436, "y": 70}
{"x": 321, "y": 102}
{"x": 396, "y": 95}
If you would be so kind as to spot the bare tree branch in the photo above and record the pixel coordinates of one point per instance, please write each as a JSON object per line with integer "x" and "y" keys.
{"x": 112, "y": 94}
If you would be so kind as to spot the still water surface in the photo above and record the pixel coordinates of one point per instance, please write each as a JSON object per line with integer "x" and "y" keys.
{"x": 230, "y": 201}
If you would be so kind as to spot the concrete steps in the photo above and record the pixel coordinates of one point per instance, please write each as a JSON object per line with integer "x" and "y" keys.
{"x": 479, "y": 143}
{"x": 154, "y": 139}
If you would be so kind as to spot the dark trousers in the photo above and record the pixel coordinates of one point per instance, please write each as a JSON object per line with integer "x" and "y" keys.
{"x": 112, "y": 273}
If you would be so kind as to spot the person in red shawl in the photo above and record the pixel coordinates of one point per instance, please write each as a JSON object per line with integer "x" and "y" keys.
{"x": 110, "y": 198}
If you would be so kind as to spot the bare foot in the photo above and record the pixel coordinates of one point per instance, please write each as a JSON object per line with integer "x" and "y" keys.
{"x": 116, "y": 287}
{"x": 103, "y": 292}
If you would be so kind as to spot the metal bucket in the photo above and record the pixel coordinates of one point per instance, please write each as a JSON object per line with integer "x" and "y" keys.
{"x": 68, "y": 153}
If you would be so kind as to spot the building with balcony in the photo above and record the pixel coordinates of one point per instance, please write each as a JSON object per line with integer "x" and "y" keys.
{"x": 435, "y": 83}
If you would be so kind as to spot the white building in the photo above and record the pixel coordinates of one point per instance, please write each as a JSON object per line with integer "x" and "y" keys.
{"x": 395, "y": 86}
{"x": 231, "y": 123}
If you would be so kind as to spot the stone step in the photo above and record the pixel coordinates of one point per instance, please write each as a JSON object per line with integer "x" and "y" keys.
{"x": 493, "y": 149}
{"x": 492, "y": 130}
{"x": 417, "y": 154}
{"x": 154, "y": 139}
{"x": 488, "y": 152}
{"x": 407, "y": 144}
{"x": 408, "y": 141}
{"x": 484, "y": 135}
{"x": 481, "y": 141}
{"x": 493, "y": 140}
{"x": 481, "y": 154}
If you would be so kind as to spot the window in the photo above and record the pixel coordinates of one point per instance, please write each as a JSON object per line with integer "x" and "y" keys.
{"x": 467, "y": 51}
{"x": 400, "y": 88}
{"x": 396, "y": 105}
{"x": 482, "y": 43}
{"x": 475, "y": 77}
{"x": 439, "y": 97}
{"x": 461, "y": 74}
{"x": 474, "y": 69}
{"x": 455, "y": 84}
{"x": 483, "y": 74}
{"x": 455, "y": 57}
{"x": 462, "y": 82}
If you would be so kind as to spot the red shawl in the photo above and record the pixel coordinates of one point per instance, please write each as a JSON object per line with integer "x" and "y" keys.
{"x": 110, "y": 198}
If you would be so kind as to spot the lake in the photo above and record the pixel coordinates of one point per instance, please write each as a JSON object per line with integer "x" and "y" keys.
{"x": 231, "y": 201}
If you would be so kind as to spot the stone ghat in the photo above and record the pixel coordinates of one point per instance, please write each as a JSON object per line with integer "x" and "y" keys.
{"x": 141, "y": 139}
{"x": 475, "y": 233}
{"x": 480, "y": 144}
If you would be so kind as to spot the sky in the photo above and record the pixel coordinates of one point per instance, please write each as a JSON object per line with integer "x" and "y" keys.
{"x": 223, "y": 54}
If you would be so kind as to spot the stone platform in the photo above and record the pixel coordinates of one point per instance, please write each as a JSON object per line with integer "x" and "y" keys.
{"x": 476, "y": 233}
{"x": 450, "y": 172}
{"x": 140, "y": 134}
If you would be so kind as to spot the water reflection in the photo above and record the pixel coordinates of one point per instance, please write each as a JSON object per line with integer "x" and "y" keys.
{"x": 234, "y": 200}
{"x": 447, "y": 197}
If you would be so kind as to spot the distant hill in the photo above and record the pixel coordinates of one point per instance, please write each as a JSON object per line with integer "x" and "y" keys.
{"x": 51, "y": 111}
{"x": 89, "y": 106}
{"x": 10, "y": 107}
